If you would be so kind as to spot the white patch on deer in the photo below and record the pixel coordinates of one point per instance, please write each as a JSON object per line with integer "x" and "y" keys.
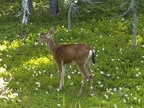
{"x": 36, "y": 43}
{"x": 62, "y": 76}
{"x": 89, "y": 57}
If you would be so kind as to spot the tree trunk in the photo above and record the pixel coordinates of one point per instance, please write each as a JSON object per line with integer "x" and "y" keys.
{"x": 132, "y": 9}
{"x": 134, "y": 23}
{"x": 54, "y": 8}
{"x": 69, "y": 15}
{"x": 134, "y": 28}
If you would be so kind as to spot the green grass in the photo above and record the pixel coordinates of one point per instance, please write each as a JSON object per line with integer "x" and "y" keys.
{"x": 118, "y": 73}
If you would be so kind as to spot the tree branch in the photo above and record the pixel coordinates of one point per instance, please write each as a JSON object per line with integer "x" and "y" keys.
{"x": 24, "y": 11}
{"x": 130, "y": 7}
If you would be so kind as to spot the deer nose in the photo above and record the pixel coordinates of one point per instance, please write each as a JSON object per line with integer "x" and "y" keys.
{"x": 36, "y": 42}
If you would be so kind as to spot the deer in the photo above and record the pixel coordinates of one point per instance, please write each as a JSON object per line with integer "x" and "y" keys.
{"x": 80, "y": 54}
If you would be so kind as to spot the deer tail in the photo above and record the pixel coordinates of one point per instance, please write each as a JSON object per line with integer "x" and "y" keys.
{"x": 93, "y": 57}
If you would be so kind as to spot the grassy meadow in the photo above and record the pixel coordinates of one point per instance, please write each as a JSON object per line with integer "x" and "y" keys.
{"x": 29, "y": 75}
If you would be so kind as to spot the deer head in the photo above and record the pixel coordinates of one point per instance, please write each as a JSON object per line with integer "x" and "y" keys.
{"x": 46, "y": 37}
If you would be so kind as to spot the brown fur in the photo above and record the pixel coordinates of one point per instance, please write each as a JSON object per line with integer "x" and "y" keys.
{"x": 70, "y": 53}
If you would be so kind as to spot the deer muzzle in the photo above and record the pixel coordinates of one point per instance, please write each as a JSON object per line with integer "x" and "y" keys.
{"x": 36, "y": 42}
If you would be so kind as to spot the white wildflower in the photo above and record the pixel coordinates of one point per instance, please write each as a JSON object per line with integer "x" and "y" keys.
{"x": 138, "y": 88}
{"x": 39, "y": 72}
{"x": 124, "y": 100}
{"x": 19, "y": 100}
{"x": 112, "y": 93}
{"x": 139, "y": 100}
{"x": 51, "y": 75}
{"x": 69, "y": 77}
{"x": 1, "y": 84}
{"x": 38, "y": 83}
{"x": 58, "y": 89}
{"x": 135, "y": 98}
{"x": 116, "y": 68}
{"x": 15, "y": 95}
{"x": 101, "y": 85}
{"x": 137, "y": 75}
{"x": 2, "y": 69}
{"x": 101, "y": 72}
{"x": 1, "y": 48}
{"x": 36, "y": 74}
{"x": 58, "y": 105}
{"x": 110, "y": 89}
{"x": 115, "y": 106}
{"x": 99, "y": 82}
{"x": 115, "y": 89}
{"x": 73, "y": 72}
{"x": 118, "y": 77}
{"x": 92, "y": 94}
{"x": 120, "y": 88}
{"x": 91, "y": 87}
{"x": 96, "y": 55}
{"x": 112, "y": 59}
{"x": 106, "y": 96}
{"x": 126, "y": 95}
{"x": 131, "y": 94}
{"x": 108, "y": 74}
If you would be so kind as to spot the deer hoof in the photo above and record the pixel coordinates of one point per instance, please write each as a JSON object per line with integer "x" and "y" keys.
{"x": 92, "y": 92}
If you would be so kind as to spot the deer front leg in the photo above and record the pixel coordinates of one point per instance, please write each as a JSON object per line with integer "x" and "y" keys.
{"x": 61, "y": 75}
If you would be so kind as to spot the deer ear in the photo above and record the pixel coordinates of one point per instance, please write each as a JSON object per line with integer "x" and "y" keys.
{"x": 51, "y": 31}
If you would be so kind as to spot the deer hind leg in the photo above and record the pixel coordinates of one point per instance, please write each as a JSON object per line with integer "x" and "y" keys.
{"x": 90, "y": 76}
{"x": 88, "y": 71}
{"x": 81, "y": 68}
{"x": 61, "y": 75}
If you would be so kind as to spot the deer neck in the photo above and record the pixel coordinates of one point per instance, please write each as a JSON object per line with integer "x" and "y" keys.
{"x": 51, "y": 46}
